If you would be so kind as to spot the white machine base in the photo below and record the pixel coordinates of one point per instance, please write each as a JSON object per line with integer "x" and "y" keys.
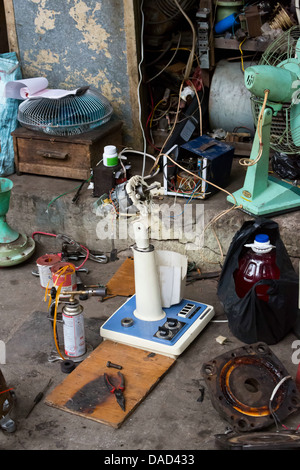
{"x": 169, "y": 336}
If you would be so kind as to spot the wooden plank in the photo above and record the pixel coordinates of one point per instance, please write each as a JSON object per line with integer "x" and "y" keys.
{"x": 122, "y": 283}
{"x": 241, "y": 148}
{"x": 84, "y": 392}
{"x": 248, "y": 45}
{"x": 132, "y": 27}
{"x": 11, "y": 27}
{"x": 3, "y": 30}
{"x": 47, "y": 170}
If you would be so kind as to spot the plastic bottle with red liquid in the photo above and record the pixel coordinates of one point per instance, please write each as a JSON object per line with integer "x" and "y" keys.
{"x": 257, "y": 263}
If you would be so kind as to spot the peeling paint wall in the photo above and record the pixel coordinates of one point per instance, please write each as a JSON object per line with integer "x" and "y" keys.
{"x": 76, "y": 43}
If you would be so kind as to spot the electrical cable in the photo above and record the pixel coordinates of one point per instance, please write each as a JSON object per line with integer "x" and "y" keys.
{"x": 169, "y": 18}
{"x": 68, "y": 192}
{"x": 161, "y": 116}
{"x": 199, "y": 106}
{"x": 187, "y": 202}
{"x": 168, "y": 63}
{"x": 139, "y": 86}
{"x": 163, "y": 52}
{"x": 182, "y": 49}
{"x": 234, "y": 206}
{"x": 273, "y": 414}
{"x": 170, "y": 133}
{"x": 221, "y": 214}
{"x": 54, "y": 235}
{"x": 149, "y": 120}
{"x": 186, "y": 75}
{"x": 176, "y": 121}
{"x": 240, "y": 49}
{"x": 200, "y": 177}
{"x": 156, "y": 160}
{"x": 191, "y": 57}
{"x": 7, "y": 390}
{"x": 127, "y": 149}
{"x": 54, "y": 322}
{"x": 248, "y": 161}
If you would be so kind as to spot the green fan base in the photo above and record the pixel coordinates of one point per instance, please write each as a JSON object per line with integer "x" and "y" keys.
{"x": 16, "y": 252}
{"x": 262, "y": 194}
{"x": 15, "y": 248}
{"x": 278, "y": 198}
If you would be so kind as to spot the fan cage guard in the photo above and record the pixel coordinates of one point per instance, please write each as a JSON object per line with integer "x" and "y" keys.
{"x": 170, "y": 9}
{"x": 283, "y": 48}
{"x": 72, "y": 114}
{"x": 280, "y": 135}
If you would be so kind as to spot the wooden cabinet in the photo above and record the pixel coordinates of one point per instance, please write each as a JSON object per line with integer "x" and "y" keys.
{"x": 63, "y": 156}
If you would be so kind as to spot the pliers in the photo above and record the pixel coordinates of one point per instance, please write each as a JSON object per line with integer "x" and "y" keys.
{"x": 117, "y": 390}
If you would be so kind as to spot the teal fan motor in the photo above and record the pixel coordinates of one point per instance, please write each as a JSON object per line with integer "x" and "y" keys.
{"x": 275, "y": 87}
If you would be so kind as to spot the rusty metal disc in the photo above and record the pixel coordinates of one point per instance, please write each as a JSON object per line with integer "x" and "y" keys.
{"x": 242, "y": 382}
{"x": 284, "y": 440}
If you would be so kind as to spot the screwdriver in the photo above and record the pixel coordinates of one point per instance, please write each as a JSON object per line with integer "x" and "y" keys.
{"x": 38, "y": 398}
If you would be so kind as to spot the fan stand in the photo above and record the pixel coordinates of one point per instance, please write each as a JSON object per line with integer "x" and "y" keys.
{"x": 262, "y": 194}
{"x": 14, "y": 247}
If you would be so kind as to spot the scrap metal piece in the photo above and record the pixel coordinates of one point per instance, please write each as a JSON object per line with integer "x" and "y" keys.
{"x": 114, "y": 366}
{"x": 7, "y": 399}
{"x": 72, "y": 247}
{"x": 284, "y": 440}
{"x": 222, "y": 340}
{"x": 250, "y": 387}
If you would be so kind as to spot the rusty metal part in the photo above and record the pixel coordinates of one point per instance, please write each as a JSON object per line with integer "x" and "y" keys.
{"x": 241, "y": 385}
{"x": 281, "y": 18}
{"x": 284, "y": 440}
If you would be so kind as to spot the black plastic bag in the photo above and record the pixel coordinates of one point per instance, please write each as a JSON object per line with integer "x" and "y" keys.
{"x": 286, "y": 166}
{"x": 249, "y": 318}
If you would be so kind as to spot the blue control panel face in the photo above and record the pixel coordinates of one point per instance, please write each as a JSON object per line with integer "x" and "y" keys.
{"x": 167, "y": 331}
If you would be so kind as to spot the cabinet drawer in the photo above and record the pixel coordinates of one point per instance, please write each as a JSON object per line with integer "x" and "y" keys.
{"x": 54, "y": 158}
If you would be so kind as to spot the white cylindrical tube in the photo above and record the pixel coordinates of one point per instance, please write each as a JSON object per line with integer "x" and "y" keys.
{"x": 147, "y": 287}
{"x": 141, "y": 236}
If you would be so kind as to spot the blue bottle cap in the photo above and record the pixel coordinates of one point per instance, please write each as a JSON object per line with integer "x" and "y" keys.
{"x": 262, "y": 238}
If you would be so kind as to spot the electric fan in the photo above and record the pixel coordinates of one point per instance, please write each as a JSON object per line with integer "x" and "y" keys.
{"x": 274, "y": 84}
{"x": 72, "y": 114}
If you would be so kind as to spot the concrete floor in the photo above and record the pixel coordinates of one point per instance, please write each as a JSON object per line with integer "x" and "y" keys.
{"x": 170, "y": 417}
